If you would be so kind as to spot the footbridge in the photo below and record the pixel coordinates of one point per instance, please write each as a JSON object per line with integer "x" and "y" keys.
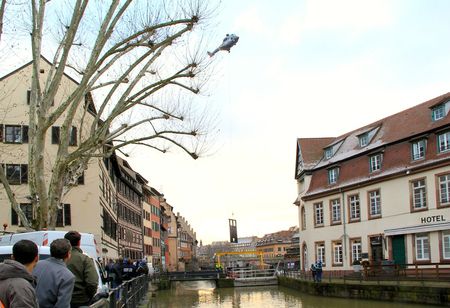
{"x": 193, "y": 276}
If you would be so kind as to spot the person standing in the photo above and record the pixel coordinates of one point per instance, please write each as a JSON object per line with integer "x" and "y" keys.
{"x": 319, "y": 270}
{"x": 54, "y": 281}
{"x": 16, "y": 281}
{"x": 313, "y": 271}
{"x": 86, "y": 277}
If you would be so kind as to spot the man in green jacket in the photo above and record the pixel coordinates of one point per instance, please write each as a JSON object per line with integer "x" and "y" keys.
{"x": 82, "y": 266}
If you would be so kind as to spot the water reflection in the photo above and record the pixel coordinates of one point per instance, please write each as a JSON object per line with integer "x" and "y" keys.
{"x": 202, "y": 294}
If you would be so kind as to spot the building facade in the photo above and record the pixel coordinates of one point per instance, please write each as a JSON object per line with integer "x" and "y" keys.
{"x": 274, "y": 245}
{"x": 380, "y": 192}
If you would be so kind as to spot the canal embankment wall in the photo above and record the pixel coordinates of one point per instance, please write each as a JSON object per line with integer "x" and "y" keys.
{"x": 419, "y": 294}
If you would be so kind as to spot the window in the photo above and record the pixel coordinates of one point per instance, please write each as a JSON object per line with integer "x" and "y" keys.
{"x": 355, "y": 245}
{"x": 16, "y": 174}
{"x": 446, "y": 245}
{"x": 438, "y": 112}
{"x": 328, "y": 153}
{"x": 27, "y": 209}
{"x": 418, "y": 149}
{"x": 337, "y": 253}
{"x": 335, "y": 209}
{"x": 422, "y": 247}
{"x": 444, "y": 142}
{"x": 55, "y": 134}
{"x": 63, "y": 217}
{"x": 333, "y": 175}
{"x": 320, "y": 252}
{"x": 16, "y": 134}
{"x": 375, "y": 162}
{"x": 354, "y": 208}
{"x": 374, "y": 204}
{"x": 73, "y": 136}
{"x": 318, "y": 214}
{"x": 363, "y": 140}
{"x": 444, "y": 190}
{"x": 419, "y": 194}
{"x": 303, "y": 214}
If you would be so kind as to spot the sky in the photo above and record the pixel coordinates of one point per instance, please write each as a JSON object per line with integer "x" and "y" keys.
{"x": 301, "y": 68}
{"x": 315, "y": 68}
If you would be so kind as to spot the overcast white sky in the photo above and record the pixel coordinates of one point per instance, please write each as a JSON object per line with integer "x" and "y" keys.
{"x": 302, "y": 68}
{"x": 314, "y": 68}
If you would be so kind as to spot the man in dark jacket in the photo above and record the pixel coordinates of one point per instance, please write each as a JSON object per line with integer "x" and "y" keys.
{"x": 86, "y": 277}
{"x": 16, "y": 281}
{"x": 54, "y": 281}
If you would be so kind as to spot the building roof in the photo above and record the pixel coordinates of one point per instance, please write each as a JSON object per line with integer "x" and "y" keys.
{"x": 407, "y": 125}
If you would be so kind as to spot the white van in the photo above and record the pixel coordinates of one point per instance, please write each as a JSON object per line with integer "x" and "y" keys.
{"x": 43, "y": 240}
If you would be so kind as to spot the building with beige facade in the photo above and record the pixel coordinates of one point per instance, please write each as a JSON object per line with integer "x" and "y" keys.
{"x": 380, "y": 192}
{"x": 82, "y": 207}
{"x": 187, "y": 243}
{"x": 274, "y": 245}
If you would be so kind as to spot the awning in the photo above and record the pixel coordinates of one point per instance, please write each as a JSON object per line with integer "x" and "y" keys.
{"x": 417, "y": 229}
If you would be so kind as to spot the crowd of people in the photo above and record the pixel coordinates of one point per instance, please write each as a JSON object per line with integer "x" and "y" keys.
{"x": 67, "y": 279}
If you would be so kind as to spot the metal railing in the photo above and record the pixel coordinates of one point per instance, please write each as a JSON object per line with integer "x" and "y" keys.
{"x": 129, "y": 294}
{"x": 250, "y": 273}
{"x": 382, "y": 272}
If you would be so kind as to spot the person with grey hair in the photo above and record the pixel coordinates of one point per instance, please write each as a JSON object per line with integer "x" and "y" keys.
{"x": 54, "y": 280}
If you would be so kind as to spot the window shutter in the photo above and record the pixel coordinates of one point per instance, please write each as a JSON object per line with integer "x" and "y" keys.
{"x": 23, "y": 174}
{"x": 24, "y": 134}
{"x": 28, "y": 97}
{"x": 14, "y": 218}
{"x": 55, "y": 134}
{"x": 73, "y": 136}
{"x": 1, "y": 132}
{"x": 59, "y": 218}
{"x": 67, "y": 216}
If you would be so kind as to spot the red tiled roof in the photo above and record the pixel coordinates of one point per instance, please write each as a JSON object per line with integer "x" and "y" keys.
{"x": 312, "y": 150}
{"x": 393, "y": 134}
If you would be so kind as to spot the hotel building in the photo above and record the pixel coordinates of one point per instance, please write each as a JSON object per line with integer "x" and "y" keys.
{"x": 380, "y": 192}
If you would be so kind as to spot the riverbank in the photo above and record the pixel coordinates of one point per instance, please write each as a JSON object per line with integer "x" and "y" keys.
{"x": 404, "y": 291}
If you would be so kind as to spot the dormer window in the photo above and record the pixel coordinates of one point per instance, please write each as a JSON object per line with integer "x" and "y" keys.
{"x": 333, "y": 175}
{"x": 418, "y": 149}
{"x": 363, "y": 140}
{"x": 328, "y": 153}
{"x": 438, "y": 112}
{"x": 375, "y": 162}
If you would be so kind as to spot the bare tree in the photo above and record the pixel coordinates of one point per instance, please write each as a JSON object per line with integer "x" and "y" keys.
{"x": 136, "y": 73}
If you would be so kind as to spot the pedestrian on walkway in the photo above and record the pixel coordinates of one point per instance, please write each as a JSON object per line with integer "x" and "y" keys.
{"x": 313, "y": 271}
{"x": 54, "y": 280}
{"x": 82, "y": 266}
{"x": 16, "y": 282}
{"x": 319, "y": 270}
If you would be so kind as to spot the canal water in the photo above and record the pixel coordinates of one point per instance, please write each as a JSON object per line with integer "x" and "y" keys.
{"x": 203, "y": 294}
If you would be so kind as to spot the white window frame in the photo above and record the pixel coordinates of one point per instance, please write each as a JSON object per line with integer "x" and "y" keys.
{"x": 375, "y": 162}
{"x": 356, "y": 250}
{"x": 320, "y": 251}
{"x": 444, "y": 189}
{"x": 318, "y": 214}
{"x": 335, "y": 210}
{"x": 338, "y": 257}
{"x": 333, "y": 175}
{"x": 355, "y": 207}
{"x": 418, "y": 149}
{"x": 375, "y": 203}
{"x": 446, "y": 245}
{"x": 419, "y": 194}
{"x": 328, "y": 153}
{"x": 422, "y": 247}
{"x": 444, "y": 142}
{"x": 438, "y": 112}
{"x": 363, "y": 140}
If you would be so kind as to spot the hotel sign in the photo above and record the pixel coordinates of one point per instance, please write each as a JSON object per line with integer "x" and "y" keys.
{"x": 430, "y": 219}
